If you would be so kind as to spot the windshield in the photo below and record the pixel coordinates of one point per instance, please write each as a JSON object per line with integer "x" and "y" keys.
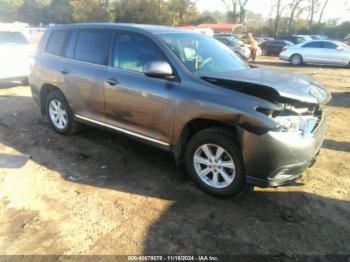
{"x": 12, "y": 38}
{"x": 203, "y": 55}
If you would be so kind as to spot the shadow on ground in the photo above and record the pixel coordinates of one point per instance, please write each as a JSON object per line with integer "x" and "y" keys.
{"x": 340, "y": 99}
{"x": 274, "y": 222}
{"x": 5, "y": 85}
{"x": 335, "y": 145}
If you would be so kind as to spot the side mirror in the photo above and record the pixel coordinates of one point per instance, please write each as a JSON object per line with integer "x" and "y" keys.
{"x": 159, "y": 69}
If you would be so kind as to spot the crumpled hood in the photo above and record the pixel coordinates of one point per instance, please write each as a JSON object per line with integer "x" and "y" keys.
{"x": 289, "y": 85}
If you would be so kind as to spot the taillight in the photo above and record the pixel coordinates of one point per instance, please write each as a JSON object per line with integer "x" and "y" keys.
{"x": 284, "y": 49}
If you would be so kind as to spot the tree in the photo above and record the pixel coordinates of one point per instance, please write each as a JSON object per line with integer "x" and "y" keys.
{"x": 91, "y": 11}
{"x": 231, "y": 7}
{"x": 295, "y": 5}
{"x": 279, "y": 10}
{"x": 140, "y": 11}
{"x": 204, "y": 18}
{"x": 9, "y": 9}
{"x": 322, "y": 11}
{"x": 242, "y": 10}
{"x": 181, "y": 12}
{"x": 33, "y": 12}
{"x": 60, "y": 11}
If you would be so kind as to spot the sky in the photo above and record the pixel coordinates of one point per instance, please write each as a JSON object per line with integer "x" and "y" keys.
{"x": 335, "y": 8}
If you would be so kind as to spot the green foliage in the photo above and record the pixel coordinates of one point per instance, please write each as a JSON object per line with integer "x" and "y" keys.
{"x": 8, "y": 10}
{"x": 33, "y": 12}
{"x": 60, "y": 11}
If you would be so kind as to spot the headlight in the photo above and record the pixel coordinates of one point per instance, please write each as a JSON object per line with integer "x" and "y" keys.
{"x": 296, "y": 124}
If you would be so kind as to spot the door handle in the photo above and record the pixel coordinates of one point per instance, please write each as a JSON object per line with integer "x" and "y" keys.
{"x": 65, "y": 71}
{"x": 112, "y": 81}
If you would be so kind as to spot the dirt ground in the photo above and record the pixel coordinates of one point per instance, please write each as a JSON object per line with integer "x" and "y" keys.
{"x": 101, "y": 193}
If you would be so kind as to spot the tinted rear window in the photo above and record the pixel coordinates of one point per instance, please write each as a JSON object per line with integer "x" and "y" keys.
{"x": 7, "y": 38}
{"x": 329, "y": 45}
{"x": 56, "y": 43}
{"x": 92, "y": 46}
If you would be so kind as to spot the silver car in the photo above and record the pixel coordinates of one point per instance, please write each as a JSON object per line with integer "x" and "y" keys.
{"x": 317, "y": 52}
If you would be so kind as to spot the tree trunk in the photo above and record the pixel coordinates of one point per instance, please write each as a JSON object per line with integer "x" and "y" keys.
{"x": 321, "y": 14}
{"x": 277, "y": 18}
{"x": 312, "y": 12}
{"x": 234, "y": 11}
{"x": 242, "y": 10}
{"x": 290, "y": 22}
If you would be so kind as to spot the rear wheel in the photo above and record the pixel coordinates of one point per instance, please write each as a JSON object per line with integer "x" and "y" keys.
{"x": 296, "y": 60}
{"x": 215, "y": 163}
{"x": 59, "y": 114}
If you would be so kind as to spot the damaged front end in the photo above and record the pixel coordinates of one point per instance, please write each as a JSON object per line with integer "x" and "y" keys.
{"x": 295, "y": 116}
{"x": 291, "y": 115}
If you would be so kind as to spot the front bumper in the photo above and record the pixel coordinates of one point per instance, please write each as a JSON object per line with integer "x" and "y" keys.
{"x": 276, "y": 158}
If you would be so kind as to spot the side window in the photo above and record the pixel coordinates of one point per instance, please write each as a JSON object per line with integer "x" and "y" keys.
{"x": 71, "y": 45}
{"x": 329, "y": 45}
{"x": 91, "y": 46}
{"x": 56, "y": 43}
{"x": 313, "y": 45}
{"x": 133, "y": 51}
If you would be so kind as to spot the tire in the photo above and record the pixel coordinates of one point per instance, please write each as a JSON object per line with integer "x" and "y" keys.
{"x": 213, "y": 139}
{"x": 56, "y": 99}
{"x": 296, "y": 60}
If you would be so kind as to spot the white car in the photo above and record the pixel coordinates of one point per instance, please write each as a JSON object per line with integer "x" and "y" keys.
{"x": 15, "y": 56}
{"x": 325, "y": 52}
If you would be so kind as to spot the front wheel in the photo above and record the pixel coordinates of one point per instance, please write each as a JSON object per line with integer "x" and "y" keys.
{"x": 215, "y": 163}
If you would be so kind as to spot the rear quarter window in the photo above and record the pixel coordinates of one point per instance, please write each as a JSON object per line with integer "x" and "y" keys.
{"x": 329, "y": 45}
{"x": 56, "y": 43}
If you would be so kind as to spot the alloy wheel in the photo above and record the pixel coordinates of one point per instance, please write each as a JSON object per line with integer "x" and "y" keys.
{"x": 58, "y": 114}
{"x": 214, "y": 165}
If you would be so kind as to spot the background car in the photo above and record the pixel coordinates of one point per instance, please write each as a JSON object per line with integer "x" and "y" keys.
{"x": 15, "y": 55}
{"x": 262, "y": 39}
{"x": 318, "y": 52}
{"x": 347, "y": 41}
{"x": 296, "y": 39}
{"x": 319, "y": 37}
{"x": 274, "y": 47}
{"x": 235, "y": 45}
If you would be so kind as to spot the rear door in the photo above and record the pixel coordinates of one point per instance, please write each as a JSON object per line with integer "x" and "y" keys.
{"x": 312, "y": 52}
{"x": 85, "y": 69}
{"x": 136, "y": 103}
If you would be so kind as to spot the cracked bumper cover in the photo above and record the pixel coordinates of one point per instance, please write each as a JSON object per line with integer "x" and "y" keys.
{"x": 277, "y": 158}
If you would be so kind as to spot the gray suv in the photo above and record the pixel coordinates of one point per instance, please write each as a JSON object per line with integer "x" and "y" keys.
{"x": 229, "y": 124}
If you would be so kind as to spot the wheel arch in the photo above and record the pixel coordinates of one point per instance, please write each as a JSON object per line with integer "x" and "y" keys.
{"x": 45, "y": 90}
{"x": 199, "y": 124}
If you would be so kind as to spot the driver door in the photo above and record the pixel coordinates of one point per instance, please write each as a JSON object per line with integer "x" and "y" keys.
{"x": 135, "y": 102}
